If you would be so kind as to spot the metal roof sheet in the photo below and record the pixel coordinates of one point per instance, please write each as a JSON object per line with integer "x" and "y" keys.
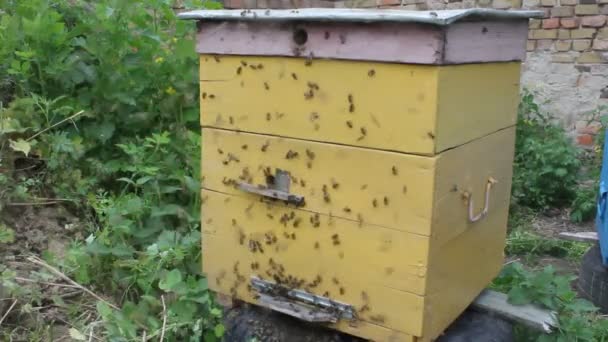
{"x": 444, "y": 17}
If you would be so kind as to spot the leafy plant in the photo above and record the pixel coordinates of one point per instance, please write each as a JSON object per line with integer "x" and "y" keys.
{"x": 578, "y": 319}
{"x": 546, "y": 164}
{"x": 100, "y": 102}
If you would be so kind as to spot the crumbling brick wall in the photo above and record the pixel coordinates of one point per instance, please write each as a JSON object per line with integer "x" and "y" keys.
{"x": 567, "y": 62}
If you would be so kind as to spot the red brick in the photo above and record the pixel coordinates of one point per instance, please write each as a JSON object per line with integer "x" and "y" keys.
{"x": 552, "y": 23}
{"x": 585, "y": 139}
{"x": 594, "y": 21}
{"x": 570, "y": 22}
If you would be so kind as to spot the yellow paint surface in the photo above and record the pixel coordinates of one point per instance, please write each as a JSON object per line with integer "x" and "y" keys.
{"x": 413, "y": 254}
{"x": 404, "y": 192}
{"x": 409, "y": 108}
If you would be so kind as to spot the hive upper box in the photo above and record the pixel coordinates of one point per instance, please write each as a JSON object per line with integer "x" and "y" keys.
{"x": 393, "y": 55}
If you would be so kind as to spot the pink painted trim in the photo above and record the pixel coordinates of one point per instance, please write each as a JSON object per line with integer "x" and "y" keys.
{"x": 408, "y": 43}
{"x": 468, "y": 42}
{"x": 465, "y": 42}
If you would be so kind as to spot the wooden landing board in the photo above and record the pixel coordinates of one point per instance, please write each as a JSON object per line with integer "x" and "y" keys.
{"x": 407, "y": 108}
{"x": 463, "y": 42}
{"x": 419, "y": 195}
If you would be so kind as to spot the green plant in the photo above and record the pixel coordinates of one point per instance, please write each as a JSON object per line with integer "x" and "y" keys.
{"x": 546, "y": 164}
{"x": 529, "y": 245}
{"x": 583, "y": 206}
{"x": 100, "y": 102}
{"x": 578, "y": 319}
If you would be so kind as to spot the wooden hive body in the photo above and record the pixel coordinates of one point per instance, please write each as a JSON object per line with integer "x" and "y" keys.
{"x": 388, "y": 147}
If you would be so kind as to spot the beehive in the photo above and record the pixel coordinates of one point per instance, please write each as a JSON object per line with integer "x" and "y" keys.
{"x": 392, "y": 135}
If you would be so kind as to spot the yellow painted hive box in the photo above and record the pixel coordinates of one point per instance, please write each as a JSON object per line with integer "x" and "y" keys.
{"x": 358, "y": 171}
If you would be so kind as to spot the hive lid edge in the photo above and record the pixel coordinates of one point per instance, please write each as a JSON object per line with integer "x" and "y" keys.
{"x": 442, "y": 18}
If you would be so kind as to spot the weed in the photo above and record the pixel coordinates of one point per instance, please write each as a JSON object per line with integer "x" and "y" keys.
{"x": 546, "y": 164}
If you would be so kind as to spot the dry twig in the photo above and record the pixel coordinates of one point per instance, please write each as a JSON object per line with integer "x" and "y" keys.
{"x": 162, "y": 332}
{"x": 39, "y": 262}
{"x": 7, "y": 312}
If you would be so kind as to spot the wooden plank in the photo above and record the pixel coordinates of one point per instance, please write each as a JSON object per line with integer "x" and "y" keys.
{"x": 346, "y": 182}
{"x": 529, "y": 315}
{"x": 466, "y": 42}
{"x": 412, "y": 43}
{"x": 332, "y": 247}
{"x": 474, "y": 42}
{"x": 460, "y": 269}
{"x": 407, "y": 108}
{"x": 468, "y": 169}
{"x": 579, "y": 236}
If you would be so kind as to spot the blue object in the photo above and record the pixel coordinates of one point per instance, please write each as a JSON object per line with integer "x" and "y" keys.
{"x": 601, "y": 221}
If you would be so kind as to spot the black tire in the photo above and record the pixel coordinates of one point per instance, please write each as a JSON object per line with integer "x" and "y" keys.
{"x": 248, "y": 322}
{"x": 478, "y": 327}
{"x": 593, "y": 279}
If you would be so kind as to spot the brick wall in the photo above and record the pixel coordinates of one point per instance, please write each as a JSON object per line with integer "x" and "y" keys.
{"x": 567, "y": 62}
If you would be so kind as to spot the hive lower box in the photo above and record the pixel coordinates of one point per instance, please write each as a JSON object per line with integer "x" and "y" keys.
{"x": 387, "y": 233}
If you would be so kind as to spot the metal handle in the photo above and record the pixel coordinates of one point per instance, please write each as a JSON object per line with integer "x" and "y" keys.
{"x": 279, "y": 189}
{"x": 484, "y": 212}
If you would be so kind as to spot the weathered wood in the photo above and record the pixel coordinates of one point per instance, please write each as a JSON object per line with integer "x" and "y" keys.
{"x": 466, "y": 42}
{"x": 296, "y": 310}
{"x": 580, "y": 236}
{"x": 529, "y": 315}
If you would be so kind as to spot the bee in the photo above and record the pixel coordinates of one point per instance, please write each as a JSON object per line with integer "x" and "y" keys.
{"x": 293, "y": 236}
{"x": 217, "y": 59}
{"x": 233, "y": 222}
{"x": 204, "y": 95}
{"x": 266, "y": 86}
{"x": 220, "y": 151}
{"x": 239, "y": 70}
{"x": 231, "y": 120}
{"x": 313, "y": 85}
{"x": 371, "y": 73}
{"x": 302, "y": 183}
{"x": 327, "y": 35}
{"x": 317, "y": 245}
{"x": 431, "y": 135}
{"x": 265, "y": 146}
{"x": 310, "y": 154}
{"x": 309, "y": 59}
{"x": 350, "y": 98}
{"x": 375, "y": 203}
{"x": 244, "y": 147}
{"x": 342, "y": 291}
{"x": 294, "y": 76}
{"x": 309, "y": 94}
{"x": 326, "y": 294}
{"x": 268, "y": 116}
{"x": 309, "y": 164}
{"x": 342, "y": 39}
{"x": 335, "y": 185}
{"x": 404, "y": 189}
{"x": 385, "y": 200}
{"x": 363, "y": 131}
{"x": 351, "y": 108}
{"x": 395, "y": 171}
{"x": 211, "y": 96}
{"x": 347, "y": 210}
{"x": 349, "y": 124}
{"x": 291, "y": 154}
{"x": 296, "y": 222}
{"x": 260, "y": 66}
{"x": 253, "y": 67}
{"x": 243, "y": 63}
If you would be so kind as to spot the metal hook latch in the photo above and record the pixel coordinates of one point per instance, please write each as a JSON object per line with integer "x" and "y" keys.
{"x": 279, "y": 189}
{"x": 484, "y": 212}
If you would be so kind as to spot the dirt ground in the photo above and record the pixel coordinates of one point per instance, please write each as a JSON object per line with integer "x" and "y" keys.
{"x": 38, "y": 230}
